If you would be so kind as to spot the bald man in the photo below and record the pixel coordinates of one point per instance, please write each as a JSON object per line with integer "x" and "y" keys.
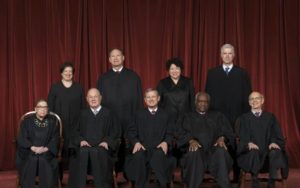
{"x": 260, "y": 138}
{"x": 97, "y": 138}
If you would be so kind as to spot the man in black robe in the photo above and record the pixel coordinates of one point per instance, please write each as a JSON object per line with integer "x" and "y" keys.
{"x": 229, "y": 87}
{"x": 150, "y": 136}
{"x": 261, "y": 138}
{"x": 37, "y": 147}
{"x": 122, "y": 93}
{"x": 204, "y": 138}
{"x": 97, "y": 137}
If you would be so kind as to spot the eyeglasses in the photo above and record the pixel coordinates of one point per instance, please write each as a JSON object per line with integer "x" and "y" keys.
{"x": 255, "y": 98}
{"x": 42, "y": 107}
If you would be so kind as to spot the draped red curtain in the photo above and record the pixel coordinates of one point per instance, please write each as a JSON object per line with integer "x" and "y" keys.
{"x": 37, "y": 36}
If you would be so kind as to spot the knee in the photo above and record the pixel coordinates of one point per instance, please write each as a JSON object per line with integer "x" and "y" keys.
{"x": 220, "y": 151}
{"x": 84, "y": 150}
{"x": 274, "y": 153}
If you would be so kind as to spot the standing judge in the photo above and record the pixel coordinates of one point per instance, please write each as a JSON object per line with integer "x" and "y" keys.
{"x": 150, "y": 137}
{"x": 37, "y": 148}
{"x": 261, "y": 138}
{"x": 66, "y": 98}
{"x": 204, "y": 137}
{"x": 122, "y": 93}
{"x": 97, "y": 138}
{"x": 229, "y": 87}
{"x": 176, "y": 91}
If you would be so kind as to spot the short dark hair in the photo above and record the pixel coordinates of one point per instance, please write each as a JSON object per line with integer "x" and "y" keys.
{"x": 176, "y": 61}
{"x": 202, "y": 93}
{"x": 40, "y": 100}
{"x": 65, "y": 65}
{"x": 115, "y": 49}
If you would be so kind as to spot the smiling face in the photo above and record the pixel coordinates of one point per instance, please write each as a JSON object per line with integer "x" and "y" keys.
{"x": 41, "y": 109}
{"x": 152, "y": 98}
{"x": 174, "y": 72}
{"x": 256, "y": 101}
{"x": 116, "y": 58}
{"x": 227, "y": 56}
{"x": 93, "y": 98}
{"x": 202, "y": 103}
{"x": 67, "y": 74}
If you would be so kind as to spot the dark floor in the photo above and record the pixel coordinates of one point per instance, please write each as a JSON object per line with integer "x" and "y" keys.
{"x": 8, "y": 180}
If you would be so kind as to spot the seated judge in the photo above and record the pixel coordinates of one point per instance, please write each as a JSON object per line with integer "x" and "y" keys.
{"x": 261, "y": 138}
{"x": 37, "y": 146}
{"x": 204, "y": 138}
{"x": 97, "y": 137}
{"x": 150, "y": 136}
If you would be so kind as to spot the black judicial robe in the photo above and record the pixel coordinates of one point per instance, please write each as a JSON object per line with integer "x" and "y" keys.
{"x": 122, "y": 94}
{"x": 150, "y": 130}
{"x": 229, "y": 93}
{"x": 67, "y": 103}
{"x": 34, "y": 132}
{"x": 95, "y": 129}
{"x": 206, "y": 129}
{"x": 176, "y": 99}
{"x": 262, "y": 131}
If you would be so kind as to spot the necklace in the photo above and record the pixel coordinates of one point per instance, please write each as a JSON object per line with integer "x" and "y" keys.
{"x": 41, "y": 123}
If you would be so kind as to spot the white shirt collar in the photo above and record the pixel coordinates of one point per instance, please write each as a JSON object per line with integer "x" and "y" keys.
{"x": 229, "y": 66}
{"x": 152, "y": 109}
{"x": 97, "y": 109}
{"x": 115, "y": 70}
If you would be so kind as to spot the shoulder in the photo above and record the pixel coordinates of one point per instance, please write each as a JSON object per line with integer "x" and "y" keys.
{"x": 106, "y": 74}
{"x": 130, "y": 72}
{"x": 215, "y": 70}
{"x": 239, "y": 69}
{"x": 56, "y": 86}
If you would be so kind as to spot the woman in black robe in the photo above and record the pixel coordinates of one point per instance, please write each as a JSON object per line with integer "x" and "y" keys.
{"x": 66, "y": 98}
{"x": 176, "y": 95}
{"x": 37, "y": 148}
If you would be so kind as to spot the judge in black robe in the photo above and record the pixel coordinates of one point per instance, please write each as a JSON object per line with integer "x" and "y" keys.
{"x": 37, "y": 146}
{"x": 204, "y": 138}
{"x": 97, "y": 137}
{"x": 122, "y": 93}
{"x": 176, "y": 91}
{"x": 150, "y": 136}
{"x": 66, "y": 98}
{"x": 229, "y": 87}
{"x": 261, "y": 139}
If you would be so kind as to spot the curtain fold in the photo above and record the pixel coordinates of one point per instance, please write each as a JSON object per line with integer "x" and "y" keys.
{"x": 37, "y": 36}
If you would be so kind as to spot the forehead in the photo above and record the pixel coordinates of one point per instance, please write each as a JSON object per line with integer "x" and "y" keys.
{"x": 151, "y": 93}
{"x": 115, "y": 52}
{"x": 93, "y": 93}
{"x": 42, "y": 103}
{"x": 202, "y": 98}
{"x": 227, "y": 50}
{"x": 253, "y": 95}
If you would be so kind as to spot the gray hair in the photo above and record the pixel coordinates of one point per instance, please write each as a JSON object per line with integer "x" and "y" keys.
{"x": 227, "y": 46}
{"x": 201, "y": 93}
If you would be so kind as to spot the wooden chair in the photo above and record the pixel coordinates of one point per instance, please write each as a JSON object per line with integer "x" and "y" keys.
{"x": 60, "y": 144}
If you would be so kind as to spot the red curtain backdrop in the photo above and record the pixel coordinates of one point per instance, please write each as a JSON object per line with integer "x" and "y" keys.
{"x": 36, "y": 36}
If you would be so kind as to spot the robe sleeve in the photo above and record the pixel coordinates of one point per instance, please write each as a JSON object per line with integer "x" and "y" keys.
{"x": 226, "y": 129}
{"x": 51, "y": 98}
{"x": 184, "y": 135}
{"x": 114, "y": 134}
{"x": 22, "y": 139}
{"x": 169, "y": 133}
{"x": 54, "y": 138}
{"x": 160, "y": 90}
{"x": 191, "y": 95}
{"x": 276, "y": 134}
{"x": 133, "y": 132}
{"x": 247, "y": 89}
{"x": 139, "y": 96}
{"x": 244, "y": 135}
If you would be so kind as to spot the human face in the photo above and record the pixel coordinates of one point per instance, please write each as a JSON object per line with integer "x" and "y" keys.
{"x": 116, "y": 58}
{"x": 256, "y": 101}
{"x": 151, "y": 99}
{"x": 202, "y": 103}
{"x": 174, "y": 72}
{"x": 41, "y": 109}
{"x": 93, "y": 98}
{"x": 67, "y": 74}
{"x": 227, "y": 56}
